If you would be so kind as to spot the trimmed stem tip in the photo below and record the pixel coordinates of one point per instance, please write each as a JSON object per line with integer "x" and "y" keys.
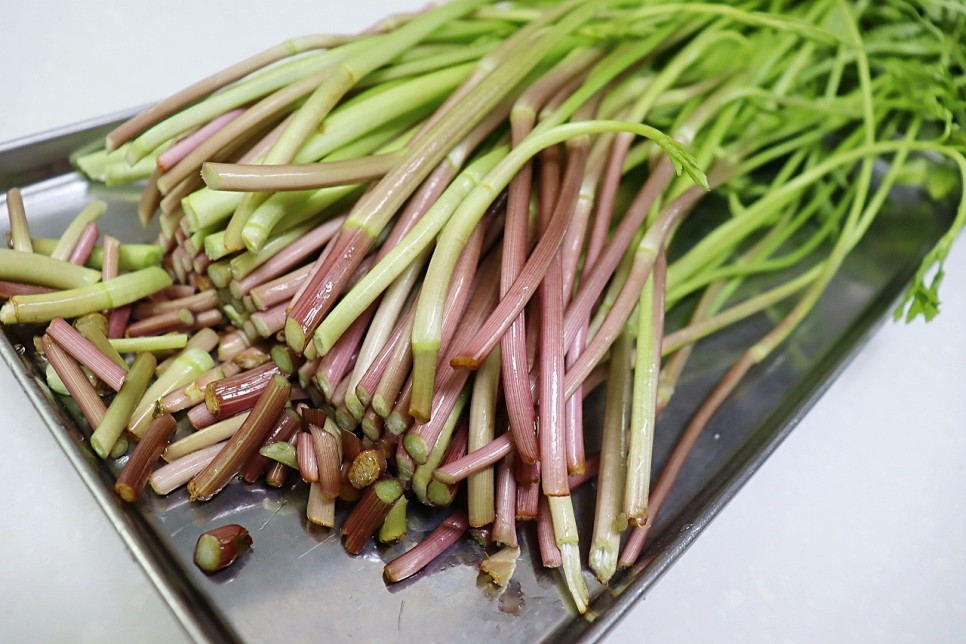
{"x": 219, "y": 548}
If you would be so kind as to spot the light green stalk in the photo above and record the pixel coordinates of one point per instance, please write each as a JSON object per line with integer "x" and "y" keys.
{"x": 480, "y": 486}
{"x": 189, "y": 364}
{"x": 19, "y": 231}
{"x": 119, "y": 412}
{"x": 132, "y": 257}
{"x": 75, "y": 302}
{"x": 281, "y": 452}
{"x": 153, "y": 344}
{"x": 91, "y": 212}
{"x": 427, "y": 331}
{"x": 35, "y": 268}
{"x": 609, "y": 520}
{"x": 283, "y": 208}
{"x": 358, "y": 118}
{"x": 647, "y": 369}
{"x": 394, "y": 527}
{"x": 423, "y": 475}
{"x": 565, "y": 531}
{"x": 378, "y": 51}
{"x": 381, "y": 327}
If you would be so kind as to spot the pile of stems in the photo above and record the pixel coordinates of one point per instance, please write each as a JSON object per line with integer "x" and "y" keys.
{"x": 401, "y": 259}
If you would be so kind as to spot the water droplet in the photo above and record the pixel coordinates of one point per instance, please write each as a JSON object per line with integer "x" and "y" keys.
{"x": 512, "y": 600}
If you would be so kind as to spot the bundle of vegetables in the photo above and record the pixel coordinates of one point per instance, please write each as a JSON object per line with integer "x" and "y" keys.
{"x": 450, "y": 229}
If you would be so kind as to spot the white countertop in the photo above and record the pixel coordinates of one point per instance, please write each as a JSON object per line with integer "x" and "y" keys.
{"x": 854, "y": 530}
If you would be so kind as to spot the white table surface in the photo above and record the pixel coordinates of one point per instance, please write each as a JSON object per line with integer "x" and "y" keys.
{"x": 854, "y": 530}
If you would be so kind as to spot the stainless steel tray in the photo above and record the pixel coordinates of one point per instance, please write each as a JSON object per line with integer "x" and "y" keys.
{"x": 299, "y": 583}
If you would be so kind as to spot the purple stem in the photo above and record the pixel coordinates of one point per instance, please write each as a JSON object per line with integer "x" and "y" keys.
{"x": 84, "y": 351}
{"x": 85, "y": 245}
{"x": 170, "y": 157}
{"x": 292, "y": 255}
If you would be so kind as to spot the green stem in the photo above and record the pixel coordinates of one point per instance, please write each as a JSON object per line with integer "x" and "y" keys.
{"x": 153, "y": 344}
{"x": 75, "y": 302}
{"x": 91, "y": 212}
{"x": 122, "y": 407}
{"x": 608, "y": 520}
{"x": 38, "y": 269}
{"x": 131, "y": 257}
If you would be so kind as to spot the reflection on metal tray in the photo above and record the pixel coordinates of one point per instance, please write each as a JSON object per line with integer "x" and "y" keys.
{"x": 299, "y": 583}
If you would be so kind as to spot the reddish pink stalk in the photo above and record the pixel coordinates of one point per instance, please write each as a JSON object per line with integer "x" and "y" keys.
{"x": 84, "y": 351}
{"x": 287, "y": 424}
{"x": 245, "y": 442}
{"x": 369, "y": 513}
{"x": 231, "y": 396}
{"x": 85, "y": 245}
{"x": 630, "y": 293}
{"x": 270, "y": 322}
{"x": 293, "y": 254}
{"x": 200, "y": 417}
{"x": 307, "y": 371}
{"x": 606, "y": 197}
{"x": 75, "y": 381}
{"x": 200, "y": 262}
{"x": 208, "y": 319}
{"x": 9, "y": 289}
{"x": 231, "y": 344}
{"x": 526, "y": 472}
{"x": 449, "y": 381}
{"x": 517, "y": 296}
{"x": 448, "y": 533}
{"x": 179, "y": 320}
{"x": 132, "y": 479}
{"x": 317, "y": 265}
{"x": 484, "y": 457}
{"x": 549, "y": 552}
{"x": 170, "y": 477}
{"x": 342, "y": 356}
{"x": 177, "y": 292}
{"x": 592, "y": 285}
{"x": 528, "y": 500}
{"x": 327, "y": 284}
{"x": 308, "y": 461}
{"x": 553, "y": 452}
{"x": 280, "y": 289}
{"x": 391, "y": 385}
{"x": 194, "y": 392}
{"x": 170, "y": 157}
{"x": 193, "y": 302}
{"x": 326, "y": 447}
{"x": 505, "y": 523}
{"x": 401, "y": 334}
{"x": 574, "y": 421}
{"x": 117, "y": 321}
{"x": 110, "y": 265}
